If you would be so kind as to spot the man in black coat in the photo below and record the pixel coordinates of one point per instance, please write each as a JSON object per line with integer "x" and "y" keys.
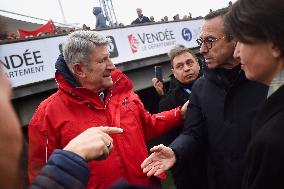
{"x": 221, "y": 111}
{"x": 186, "y": 70}
{"x": 141, "y": 18}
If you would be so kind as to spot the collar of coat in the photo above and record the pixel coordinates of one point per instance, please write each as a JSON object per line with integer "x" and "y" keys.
{"x": 225, "y": 77}
{"x": 69, "y": 85}
{"x": 274, "y": 104}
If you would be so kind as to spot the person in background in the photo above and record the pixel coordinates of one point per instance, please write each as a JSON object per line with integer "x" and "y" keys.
{"x": 189, "y": 15}
{"x": 11, "y": 36}
{"x": 185, "y": 17}
{"x": 141, "y": 18}
{"x": 92, "y": 93}
{"x": 186, "y": 70}
{"x": 261, "y": 52}
{"x": 100, "y": 18}
{"x": 222, "y": 108}
{"x": 152, "y": 19}
{"x": 176, "y": 17}
{"x": 85, "y": 27}
{"x": 166, "y": 19}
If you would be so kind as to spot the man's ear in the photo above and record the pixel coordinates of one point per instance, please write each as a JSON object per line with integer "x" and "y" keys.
{"x": 276, "y": 52}
{"x": 174, "y": 73}
{"x": 234, "y": 42}
{"x": 78, "y": 70}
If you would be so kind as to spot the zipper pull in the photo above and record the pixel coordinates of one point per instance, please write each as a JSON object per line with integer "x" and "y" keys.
{"x": 46, "y": 139}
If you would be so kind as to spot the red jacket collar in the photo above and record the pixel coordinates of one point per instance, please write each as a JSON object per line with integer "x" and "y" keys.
{"x": 120, "y": 80}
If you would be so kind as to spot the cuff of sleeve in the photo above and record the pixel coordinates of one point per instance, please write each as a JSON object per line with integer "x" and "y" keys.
{"x": 177, "y": 159}
{"x": 72, "y": 163}
{"x": 178, "y": 115}
{"x": 72, "y": 155}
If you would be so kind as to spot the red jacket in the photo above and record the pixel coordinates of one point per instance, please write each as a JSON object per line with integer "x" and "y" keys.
{"x": 70, "y": 111}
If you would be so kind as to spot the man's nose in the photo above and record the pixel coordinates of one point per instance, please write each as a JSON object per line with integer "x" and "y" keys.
{"x": 203, "y": 48}
{"x": 110, "y": 65}
{"x": 237, "y": 52}
{"x": 186, "y": 67}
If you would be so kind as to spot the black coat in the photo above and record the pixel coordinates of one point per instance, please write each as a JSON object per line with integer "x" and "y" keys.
{"x": 140, "y": 20}
{"x": 266, "y": 151}
{"x": 219, "y": 119}
{"x": 191, "y": 174}
{"x": 175, "y": 96}
{"x": 63, "y": 170}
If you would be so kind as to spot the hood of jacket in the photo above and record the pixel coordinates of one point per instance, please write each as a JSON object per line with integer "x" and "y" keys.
{"x": 62, "y": 68}
{"x": 68, "y": 83}
{"x": 97, "y": 10}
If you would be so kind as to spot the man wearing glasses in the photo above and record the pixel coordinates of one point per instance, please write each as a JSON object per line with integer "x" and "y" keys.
{"x": 221, "y": 110}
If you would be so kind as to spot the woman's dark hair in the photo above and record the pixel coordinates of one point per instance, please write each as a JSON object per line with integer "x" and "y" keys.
{"x": 260, "y": 20}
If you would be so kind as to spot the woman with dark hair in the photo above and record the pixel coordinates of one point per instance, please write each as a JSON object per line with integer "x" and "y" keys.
{"x": 258, "y": 25}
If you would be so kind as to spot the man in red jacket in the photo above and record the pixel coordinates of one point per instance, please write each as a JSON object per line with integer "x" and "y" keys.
{"x": 66, "y": 169}
{"x": 91, "y": 93}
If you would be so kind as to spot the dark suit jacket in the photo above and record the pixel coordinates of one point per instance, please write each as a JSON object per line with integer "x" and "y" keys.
{"x": 222, "y": 107}
{"x": 265, "y": 168}
{"x": 191, "y": 174}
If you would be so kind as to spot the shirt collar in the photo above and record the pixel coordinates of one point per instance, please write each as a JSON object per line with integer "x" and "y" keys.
{"x": 276, "y": 83}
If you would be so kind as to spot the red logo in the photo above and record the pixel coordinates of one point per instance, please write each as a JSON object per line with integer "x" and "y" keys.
{"x": 134, "y": 44}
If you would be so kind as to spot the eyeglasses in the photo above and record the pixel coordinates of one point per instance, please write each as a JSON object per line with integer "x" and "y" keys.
{"x": 208, "y": 41}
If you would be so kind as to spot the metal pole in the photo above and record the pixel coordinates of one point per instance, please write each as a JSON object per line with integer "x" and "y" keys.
{"x": 62, "y": 12}
{"x": 115, "y": 19}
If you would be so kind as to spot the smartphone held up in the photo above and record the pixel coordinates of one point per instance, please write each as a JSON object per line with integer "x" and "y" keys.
{"x": 159, "y": 73}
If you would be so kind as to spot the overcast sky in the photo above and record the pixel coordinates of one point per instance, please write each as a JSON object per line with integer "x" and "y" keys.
{"x": 80, "y": 11}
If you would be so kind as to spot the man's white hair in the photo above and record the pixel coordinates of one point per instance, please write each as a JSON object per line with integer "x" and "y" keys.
{"x": 79, "y": 45}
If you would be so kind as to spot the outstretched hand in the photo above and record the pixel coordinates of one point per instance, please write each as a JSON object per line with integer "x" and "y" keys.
{"x": 94, "y": 143}
{"x": 161, "y": 159}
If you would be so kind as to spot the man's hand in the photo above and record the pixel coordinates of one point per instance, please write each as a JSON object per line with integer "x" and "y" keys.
{"x": 94, "y": 143}
{"x": 184, "y": 109}
{"x": 161, "y": 159}
{"x": 159, "y": 86}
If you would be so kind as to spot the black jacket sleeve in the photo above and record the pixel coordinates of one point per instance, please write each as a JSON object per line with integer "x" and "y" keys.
{"x": 167, "y": 102}
{"x": 64, "y": 170}
{"x": 194, "y": 134}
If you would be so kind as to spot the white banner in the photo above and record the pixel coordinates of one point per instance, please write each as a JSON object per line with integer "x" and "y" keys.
{"x": 33, "y": 61}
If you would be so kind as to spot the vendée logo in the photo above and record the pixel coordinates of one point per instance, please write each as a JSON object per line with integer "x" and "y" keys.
{"x": 186, "y": 34}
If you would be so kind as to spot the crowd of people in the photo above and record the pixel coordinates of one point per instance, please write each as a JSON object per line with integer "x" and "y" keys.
{"x": 101, "y": 23}
{"x": 221, "y": 119}
{"x": 144, "y": 19}
{"x": 4, "y": 36}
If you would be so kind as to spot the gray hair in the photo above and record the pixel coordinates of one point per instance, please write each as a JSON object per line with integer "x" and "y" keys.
{"x": 179, "y": 49}
{"x": 79, "y": 44}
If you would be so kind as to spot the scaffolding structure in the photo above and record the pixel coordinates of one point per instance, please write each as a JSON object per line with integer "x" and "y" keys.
{"x": 108, "y": 11}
